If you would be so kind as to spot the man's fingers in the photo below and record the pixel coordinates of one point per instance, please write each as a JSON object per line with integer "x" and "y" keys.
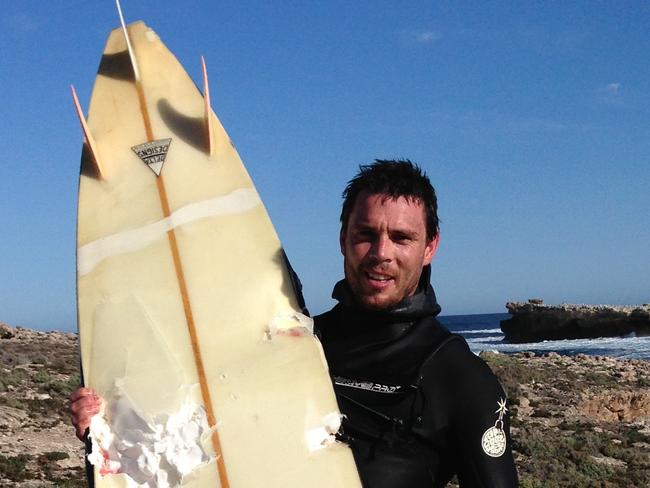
{"x": 84, "y": 403}
{"x": 81, "y": 393}
{"x": 83, "y": 415}
{"x": 81, "y": 419}
{"x": 84, "y": 409}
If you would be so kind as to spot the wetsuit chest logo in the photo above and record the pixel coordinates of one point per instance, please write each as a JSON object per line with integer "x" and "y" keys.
{"x": 367, "y": 385}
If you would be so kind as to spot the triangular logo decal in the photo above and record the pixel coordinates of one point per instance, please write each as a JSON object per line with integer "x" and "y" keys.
{"x": 153, "y": 153}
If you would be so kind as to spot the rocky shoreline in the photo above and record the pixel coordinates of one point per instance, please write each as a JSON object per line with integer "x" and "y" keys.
{"x": 579, "y": 421}
{"x": 535, "y": 321}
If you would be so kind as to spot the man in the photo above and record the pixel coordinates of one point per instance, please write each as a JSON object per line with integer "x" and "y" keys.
{"x": 419, "y": 406}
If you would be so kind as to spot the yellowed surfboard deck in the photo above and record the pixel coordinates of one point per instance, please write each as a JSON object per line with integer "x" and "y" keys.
{"x": 188, "y": 321}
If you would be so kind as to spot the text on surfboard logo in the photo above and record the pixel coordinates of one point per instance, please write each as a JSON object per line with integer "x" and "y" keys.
{"x": 153, "y": 153}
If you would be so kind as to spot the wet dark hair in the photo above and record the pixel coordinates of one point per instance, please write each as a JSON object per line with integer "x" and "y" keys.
{"x": 394, "y": 178}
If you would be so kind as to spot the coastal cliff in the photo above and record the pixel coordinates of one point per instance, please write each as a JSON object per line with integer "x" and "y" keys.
{"x": 577, "y": 422}
{"x": 534, "y": 321}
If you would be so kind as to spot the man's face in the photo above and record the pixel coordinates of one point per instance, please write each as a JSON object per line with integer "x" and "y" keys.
{"x": 385, "y": 247}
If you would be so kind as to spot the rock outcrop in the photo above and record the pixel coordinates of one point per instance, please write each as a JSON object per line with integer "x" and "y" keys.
{"x": 534, "y": 321}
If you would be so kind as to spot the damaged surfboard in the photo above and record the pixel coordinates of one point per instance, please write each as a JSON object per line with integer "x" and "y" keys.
{"x": 189, "y": 323}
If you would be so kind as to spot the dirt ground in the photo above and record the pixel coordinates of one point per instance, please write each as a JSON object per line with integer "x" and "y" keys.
{"x": 576, "y": 421}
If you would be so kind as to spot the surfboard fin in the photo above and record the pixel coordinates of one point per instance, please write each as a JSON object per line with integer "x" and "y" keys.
{"x": 134, "y": 63}
{"x": 88, "y": 137}
{"x": 209, "y": 124}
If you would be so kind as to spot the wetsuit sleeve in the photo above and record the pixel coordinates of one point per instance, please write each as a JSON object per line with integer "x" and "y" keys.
{"x": 479, "y": 421}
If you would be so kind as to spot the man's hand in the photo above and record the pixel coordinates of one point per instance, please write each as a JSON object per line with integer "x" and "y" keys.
{"x": 84, "y": 403}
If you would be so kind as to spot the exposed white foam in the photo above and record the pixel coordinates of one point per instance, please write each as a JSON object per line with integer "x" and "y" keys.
{"x": 151, "y": 453}
{"x": 323, "y": 435}
{"x": 293, "y": 324}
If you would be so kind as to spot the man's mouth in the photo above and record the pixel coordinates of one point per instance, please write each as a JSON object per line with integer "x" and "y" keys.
{"x": 374, "y": 276}
{"x": 378, "y": 279}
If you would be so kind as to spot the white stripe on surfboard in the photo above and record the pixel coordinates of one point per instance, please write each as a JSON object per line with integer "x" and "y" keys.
{"x": 91, "y": 254}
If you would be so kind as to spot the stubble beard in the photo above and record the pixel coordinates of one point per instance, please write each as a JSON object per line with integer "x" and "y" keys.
{"x": 370, "y": 301}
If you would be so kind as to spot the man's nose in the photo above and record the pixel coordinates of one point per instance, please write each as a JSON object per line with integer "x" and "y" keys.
{"x": 381, "y": 248}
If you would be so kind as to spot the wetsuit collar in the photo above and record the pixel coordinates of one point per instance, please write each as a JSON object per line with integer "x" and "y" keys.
{"x": 358, "y": 340}
{"x": 423, "y": 303}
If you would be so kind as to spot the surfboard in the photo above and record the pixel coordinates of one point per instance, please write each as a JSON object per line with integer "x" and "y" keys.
{"x": 189, "y": 323}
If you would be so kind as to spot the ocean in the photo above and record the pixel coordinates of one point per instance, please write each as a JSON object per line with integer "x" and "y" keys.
{"x": 483, "y": 333}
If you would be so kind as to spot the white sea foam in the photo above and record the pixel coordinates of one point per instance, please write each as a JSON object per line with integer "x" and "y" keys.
{"x": 478, "y": 331}
{"x": 621, "y": 347}
{"x": 151, "y": 453}
{"x": 482, "y": 333}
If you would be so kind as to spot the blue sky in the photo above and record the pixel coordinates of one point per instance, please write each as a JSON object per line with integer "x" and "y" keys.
{"x": 532, "y": 119}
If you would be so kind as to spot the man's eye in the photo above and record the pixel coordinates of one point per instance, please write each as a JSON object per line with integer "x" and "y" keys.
{"x": 402, "y": 238}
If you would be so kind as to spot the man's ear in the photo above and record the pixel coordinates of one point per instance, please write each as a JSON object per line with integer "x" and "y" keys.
{"x": 430, "y": 250}
{"x": 342, "y": 240}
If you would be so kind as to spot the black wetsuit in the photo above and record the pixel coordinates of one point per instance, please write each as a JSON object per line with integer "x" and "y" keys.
{"x": 419, "y": 406}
